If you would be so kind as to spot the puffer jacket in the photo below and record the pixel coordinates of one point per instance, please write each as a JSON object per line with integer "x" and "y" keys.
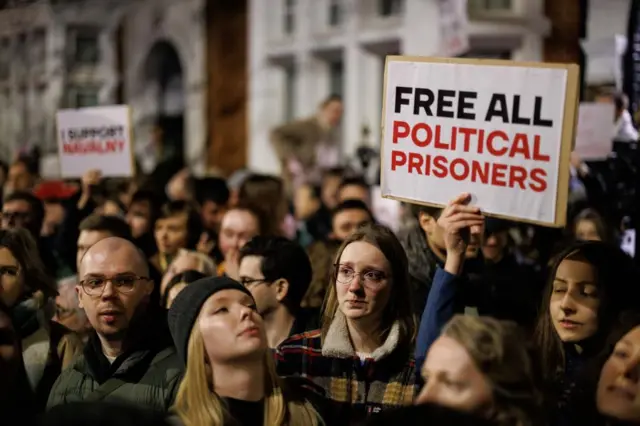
{"x": 147, "y": 375}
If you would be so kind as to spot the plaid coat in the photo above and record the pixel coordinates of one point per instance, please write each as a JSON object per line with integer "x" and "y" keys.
{"x": 358, "y": 387}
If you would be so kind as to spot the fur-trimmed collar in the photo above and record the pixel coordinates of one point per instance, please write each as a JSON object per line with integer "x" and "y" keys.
{"x": 337, "y": 343}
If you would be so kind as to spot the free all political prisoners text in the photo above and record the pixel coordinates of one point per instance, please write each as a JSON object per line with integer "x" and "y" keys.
{"x": 460, "y": 105}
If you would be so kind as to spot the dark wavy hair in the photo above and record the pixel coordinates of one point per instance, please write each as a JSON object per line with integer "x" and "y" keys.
{"x": 616, "y": 282}
{"x": 34, "y": 274}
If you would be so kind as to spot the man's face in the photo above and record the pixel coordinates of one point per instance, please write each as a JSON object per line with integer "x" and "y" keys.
{"x": 16, "y": 214}
{"x": 19, "y": 178}
{"x": 109, "y": 304}
{"x": 347, "y": 222}
{"x": 333, "y": 113}
{"x": 252, "y": 278}
{"x": 305, "y": 203}
{"x": 212, "y": 214}
{"x": 238, "y": 227}
{"x": 354, "y": 192}
{"x": 171, "y": 234}
{"x": 139, "y": 218}
{"x": 88, "y": 239}
{"x": 494, "y": 246}
{"x": 330, "y": 185}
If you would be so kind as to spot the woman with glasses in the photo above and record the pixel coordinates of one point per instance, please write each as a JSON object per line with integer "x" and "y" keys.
{"x": 361, "y": 355}
{"x": 28, "y": 292}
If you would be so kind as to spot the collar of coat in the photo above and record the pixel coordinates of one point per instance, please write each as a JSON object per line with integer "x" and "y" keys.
{"x": 337, "y": 343}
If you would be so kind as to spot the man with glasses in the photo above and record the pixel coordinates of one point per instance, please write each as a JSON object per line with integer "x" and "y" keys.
{"x": 130, "y": 355}
{"x": 277, "y": 272}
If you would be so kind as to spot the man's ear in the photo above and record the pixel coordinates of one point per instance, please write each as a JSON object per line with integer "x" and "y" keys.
{"x": 282, "y": 289}
{"x": 148, "y": 288}
{"x": 80, "y": 294}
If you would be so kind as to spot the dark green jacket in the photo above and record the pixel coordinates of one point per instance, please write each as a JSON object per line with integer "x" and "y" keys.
{"x": 148, "y": 375}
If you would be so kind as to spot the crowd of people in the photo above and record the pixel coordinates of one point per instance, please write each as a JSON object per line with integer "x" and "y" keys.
{"x": 256, "y": 300}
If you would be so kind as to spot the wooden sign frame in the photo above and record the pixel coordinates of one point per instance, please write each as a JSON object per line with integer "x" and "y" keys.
{"x": 569, "y": 123}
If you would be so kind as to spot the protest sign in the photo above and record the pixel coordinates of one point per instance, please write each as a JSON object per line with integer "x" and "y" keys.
{"x": 594, "y": 137}
{"x": 499, "y": 130}
{"x": 95, "y": 138}
{"x": 454, "y": 27}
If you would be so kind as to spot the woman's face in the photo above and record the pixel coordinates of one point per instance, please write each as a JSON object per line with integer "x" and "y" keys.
{"x": 574, "y": 301}
{"x": 231, "y": 327}
{"x": 183, "y": 262}
{"x": 586, "y": 230}
{"x": 618, "y": 394}
{"x": 171, "y": 234}
{"x": 10, "y": 278}
{"x": 452, "y": 379}
{"x": 139, "y": 218}
{"x": 363, "y": 281}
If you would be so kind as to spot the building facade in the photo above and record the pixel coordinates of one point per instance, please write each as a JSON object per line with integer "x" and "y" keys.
{"x": 149, "y": 54}
{"x": 303, "y": 50}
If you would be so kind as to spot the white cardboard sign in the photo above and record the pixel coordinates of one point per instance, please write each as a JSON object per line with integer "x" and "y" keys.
{"x": 499, "y": 130}
{"x": 594, "y": 137}
{"x": 95, "y": 138}
{"x": 454, "y": 27}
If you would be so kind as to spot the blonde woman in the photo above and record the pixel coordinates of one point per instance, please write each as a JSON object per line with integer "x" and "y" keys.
{"x": 230, "y": 377}
{"x": 187, "y": 260}
{"x": 481, "y": 365}
{"x": 361, "y": 356}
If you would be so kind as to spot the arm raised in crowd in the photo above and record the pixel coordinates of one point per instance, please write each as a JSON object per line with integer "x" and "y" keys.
{"x": 459, "y": 222}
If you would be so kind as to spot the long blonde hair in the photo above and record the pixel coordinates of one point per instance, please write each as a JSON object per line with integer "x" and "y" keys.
{"x": 197, "y": 405}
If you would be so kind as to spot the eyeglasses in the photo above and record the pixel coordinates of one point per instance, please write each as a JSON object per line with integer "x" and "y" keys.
{"x": 9, "y": 216}
{"x": 248, "y": 282}
{"x": 371, "y": 278}
{"x": 123, "y": 284}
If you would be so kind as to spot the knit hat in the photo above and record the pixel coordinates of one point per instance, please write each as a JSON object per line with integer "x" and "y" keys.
{"x": 186, "y": 307}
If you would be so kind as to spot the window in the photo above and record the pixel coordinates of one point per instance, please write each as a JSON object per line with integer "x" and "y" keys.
{"x": 81, "y": 97}
{"x": 336, "y": 77}
{"x": 289, "y": 16}
{"x": 390, "y": 7}
{"x": 289, "y": 92}
{"x": 38, "y": 48}
{"x": 5, "y": 59}
{"x": 85, "y": 46}
{"x": 493, "y": 5}
{"x": 488, "y": 54}
{"x": 21, "y": 52}
{"x": 335, "y": 13}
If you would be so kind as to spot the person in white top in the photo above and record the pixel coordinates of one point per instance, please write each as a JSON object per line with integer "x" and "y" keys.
{"x": 624, "y": 128}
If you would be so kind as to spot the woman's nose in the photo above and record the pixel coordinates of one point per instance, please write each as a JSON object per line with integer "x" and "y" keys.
{"x": 355, "y": 285}
{"x": 426, "y": 395}
{"x": 567, "y": 304}
{"x": 631, "y": 369}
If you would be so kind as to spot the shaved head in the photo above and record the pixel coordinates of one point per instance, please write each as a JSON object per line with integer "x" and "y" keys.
{"x": 116, "y": 246}
{"x": 113, "y": 286}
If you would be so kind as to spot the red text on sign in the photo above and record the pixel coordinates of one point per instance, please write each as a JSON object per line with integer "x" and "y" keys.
{"x": 460, "y": 169}
{"x": 496, "y": 143}
{"x": 93, "y": 146}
